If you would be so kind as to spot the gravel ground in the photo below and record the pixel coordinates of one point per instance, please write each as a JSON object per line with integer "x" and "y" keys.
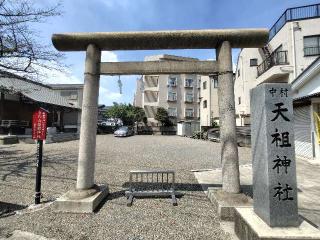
{"x": 193, "y": 218}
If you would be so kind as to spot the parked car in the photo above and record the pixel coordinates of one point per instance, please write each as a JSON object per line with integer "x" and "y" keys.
{"x": 104, "y": 128}
{"x": 101, "y": 129}
{"x": 213, "y": 134}
{"x": 124, "y": 132}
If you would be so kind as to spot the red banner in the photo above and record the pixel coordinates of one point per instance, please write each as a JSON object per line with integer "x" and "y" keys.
{"x": 39, "y": 124}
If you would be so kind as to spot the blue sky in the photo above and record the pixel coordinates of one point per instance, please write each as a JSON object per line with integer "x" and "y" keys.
{"x": 142, "y": 15}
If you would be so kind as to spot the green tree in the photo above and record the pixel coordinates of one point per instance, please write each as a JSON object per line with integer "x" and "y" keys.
{"x": 139, "y": 114}
{"x": 163, "y": 117}
{"x": 214, "y": 123}
{"x": 127, "y": 113}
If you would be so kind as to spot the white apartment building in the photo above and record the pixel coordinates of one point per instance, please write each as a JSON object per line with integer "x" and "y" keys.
{"x": 177, "y": 93}
{"x": 293, "y": 45}
{"x": 209, "y": 109}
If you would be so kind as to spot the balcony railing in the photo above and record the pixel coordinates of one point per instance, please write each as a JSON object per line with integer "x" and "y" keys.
{"x": 293, "y": 14}
{"x": 311, "y": 51}
{"x": 172, "y": 113}
{"x": 188, "y": 83}
{"x": 172, "y": 97}
{"x": 151, "y": 81}
{"x": 189, "y": 114}
{"x": 188, "y": 99}
{"x": 276, "y": 58}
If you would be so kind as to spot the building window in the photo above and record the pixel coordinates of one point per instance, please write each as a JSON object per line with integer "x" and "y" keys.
{"x": 189, "y": 112}
{"x": 188, "y": 82}
{"x": 311, "y": 45}
{"x": 214, "y": 80}
{"x": 204, "y": 84}
{"x": 253, "y": 62}
{"x": 172, "y": 96}
{"x": 205, "y": 104}
{"x": 239, "y": 100}
{"x": 215, "y": 83}
{"x": 70, "y": 95}
{"x": 172, "y": 81}
{"x": 172, "y": 112}
{"x": 189, "y": 97}
{"x": 238, "y": 72}
{"x": 199, "y": 83}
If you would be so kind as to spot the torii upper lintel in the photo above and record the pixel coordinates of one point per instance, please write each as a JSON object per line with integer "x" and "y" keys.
{"x": 147, "y": 40}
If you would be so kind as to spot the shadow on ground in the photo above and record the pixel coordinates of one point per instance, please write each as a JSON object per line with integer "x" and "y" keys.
{"x": 8, "y": 209}
{"x": 18, "y": 163}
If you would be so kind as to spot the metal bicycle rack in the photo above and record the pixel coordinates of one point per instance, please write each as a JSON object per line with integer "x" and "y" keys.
{"x": 151, "y": 184}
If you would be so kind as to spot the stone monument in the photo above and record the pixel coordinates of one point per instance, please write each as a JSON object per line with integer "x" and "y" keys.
{"x": 275, "y": 202}
{"x": 273, "y": 156}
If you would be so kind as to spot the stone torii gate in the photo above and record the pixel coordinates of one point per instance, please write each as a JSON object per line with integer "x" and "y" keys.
{"x": 86, "y": 196}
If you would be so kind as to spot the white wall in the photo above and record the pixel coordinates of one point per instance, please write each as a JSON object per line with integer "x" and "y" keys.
{"x": 246, "y": 80}
{"x": 311, "y": 87}
{"x": 210, "y": 94}
{"x": 248, "y": 75}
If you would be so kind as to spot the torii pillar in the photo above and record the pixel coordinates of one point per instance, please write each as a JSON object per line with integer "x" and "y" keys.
{"x": 87, "y": 195}
{"x": 227, "y": 120}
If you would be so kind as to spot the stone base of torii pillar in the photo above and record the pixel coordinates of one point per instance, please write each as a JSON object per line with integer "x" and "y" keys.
{"x": 81, "y": 201}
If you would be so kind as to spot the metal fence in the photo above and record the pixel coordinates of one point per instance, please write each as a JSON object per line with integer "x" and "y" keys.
{"x": 276, "y": 58}
{"x": 151, "y": 184}
{"x": 14, "y": 123}
{"x": 292, "y": 14}
{"x": 311, "y": 51}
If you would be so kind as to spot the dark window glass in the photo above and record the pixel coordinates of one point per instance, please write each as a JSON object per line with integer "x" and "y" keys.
{"x": 204, "y": 85}
{"x": 311, "y": 45}
{"x": 253, "y": 62}
{"x": 215, "y": 83}
{"x": 205, "y": 104}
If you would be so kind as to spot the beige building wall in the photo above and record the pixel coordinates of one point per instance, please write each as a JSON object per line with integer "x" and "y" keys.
{"x": 137, "y": 99}
{"x": 177, "y": 99}
{"x": 74, "y": 95}
{"x": 290, "y": 39}
{"x": 72, "y": 92}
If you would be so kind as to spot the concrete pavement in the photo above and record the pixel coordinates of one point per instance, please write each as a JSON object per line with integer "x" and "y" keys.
{"x": 308, "y": 186}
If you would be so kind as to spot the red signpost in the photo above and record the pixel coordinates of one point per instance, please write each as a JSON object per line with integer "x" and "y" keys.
{"x": 39, "y": 133}
{"x": 39, "y": 124}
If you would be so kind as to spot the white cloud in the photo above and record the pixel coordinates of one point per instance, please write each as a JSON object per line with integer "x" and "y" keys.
{"x": 106, "y": 96}
{"x": 54, "y": 76}
{"x": 108, "y": 56}
{"x": 67, "y": 77}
